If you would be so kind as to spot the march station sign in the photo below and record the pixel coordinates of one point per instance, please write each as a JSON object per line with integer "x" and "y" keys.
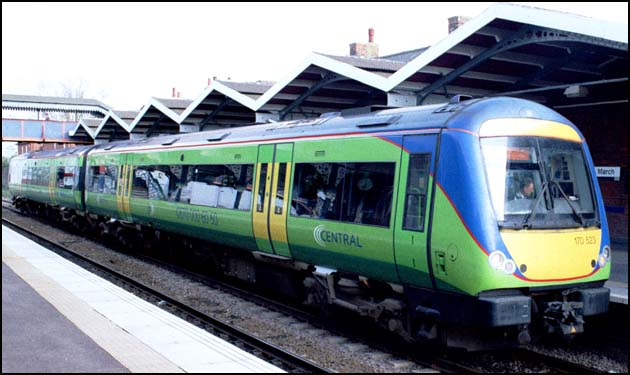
{"x": 613, "y": 172}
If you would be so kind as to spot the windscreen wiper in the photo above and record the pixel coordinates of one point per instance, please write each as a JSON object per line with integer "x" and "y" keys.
{"x": 545, "y": 179}
{"x": 533, "y": 206}
{"x": 575, "y": 212}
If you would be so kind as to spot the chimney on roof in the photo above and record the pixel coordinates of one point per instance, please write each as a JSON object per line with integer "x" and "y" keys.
{"x": 179, "y": 94}
{"x": 455, "y": 22}
{"x": 174, "y": 92}
{"x": 369, "y": 49}
{"x": 209, "y": 81}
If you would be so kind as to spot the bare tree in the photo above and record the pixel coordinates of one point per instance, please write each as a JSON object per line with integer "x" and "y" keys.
{"x": 73, "y": 88}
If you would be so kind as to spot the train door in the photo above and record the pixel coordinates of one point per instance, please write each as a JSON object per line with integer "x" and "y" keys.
{"x": 123, "y": 188}
{"x": 272, "y": 201}
{"x": 52, "y": 181}
{"x": 411, "y": 238}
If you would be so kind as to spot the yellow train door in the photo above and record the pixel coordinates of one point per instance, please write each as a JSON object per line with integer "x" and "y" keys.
{"x": 123, "y": 188}
{"x": 272, "y": 188}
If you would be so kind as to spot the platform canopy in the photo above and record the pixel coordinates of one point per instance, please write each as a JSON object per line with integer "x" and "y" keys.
{"x": 86, "y": 127}
{"x": 552, "y": 57}
{"x": 517, "y": 50}
{"x": 158, "y": 116}
{"x": 115, "y": 126}
{"x": 223, "y": 104}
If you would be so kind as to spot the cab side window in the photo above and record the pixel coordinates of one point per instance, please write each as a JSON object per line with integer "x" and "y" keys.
{"x": 416, "y": 192}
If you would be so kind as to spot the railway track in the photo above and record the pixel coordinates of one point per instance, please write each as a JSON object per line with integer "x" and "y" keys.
{"x": 556, "y": 365}
{"x": 443, "y": 362}
{"x": 262, "y": 349}
{"x": 519, "y": 361}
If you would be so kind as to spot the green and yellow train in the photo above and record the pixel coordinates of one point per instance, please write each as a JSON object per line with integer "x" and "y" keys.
{"x": 482, "y": 214}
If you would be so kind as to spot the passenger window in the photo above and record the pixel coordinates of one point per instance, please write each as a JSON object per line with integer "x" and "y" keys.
{"x": 416, "y": 192}
{"x": 139, "y": 187}
{"x": 225, "y": 186}
{"x": 39, "y": 176}
{"x": 282, "y": 174}
{"x": 152, "y": 182}
{"x": 102, "y": 179}
{"x": 65, "y": 177}
{"x": 220, "y": 185}
{"x": 359, "y": 193}
{"x": 262, "y": 184}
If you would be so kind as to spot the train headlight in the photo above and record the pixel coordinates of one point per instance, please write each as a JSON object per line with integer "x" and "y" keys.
{"x": 604, "y": 257}
{"x": 496, "y": 260}
{"x": 606, "y": 252}
{"x": 509, "y": 267}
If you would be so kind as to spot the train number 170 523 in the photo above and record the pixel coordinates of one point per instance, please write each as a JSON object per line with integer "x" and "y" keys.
{"x": 585, "y": 240}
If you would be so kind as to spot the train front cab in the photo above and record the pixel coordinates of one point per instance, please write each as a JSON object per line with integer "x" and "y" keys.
{"x": 557, "y": 235}
{"x": 538, "y": 261}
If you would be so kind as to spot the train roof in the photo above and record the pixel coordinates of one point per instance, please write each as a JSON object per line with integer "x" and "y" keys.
{"x": 72, "y": 151}
{"x": 463, "y": 114}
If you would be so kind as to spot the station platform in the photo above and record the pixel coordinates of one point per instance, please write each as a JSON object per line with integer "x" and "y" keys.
{"x": 618, "y": 281}
{"x": 618, "y": 292}
{"x": 58, "y": 317}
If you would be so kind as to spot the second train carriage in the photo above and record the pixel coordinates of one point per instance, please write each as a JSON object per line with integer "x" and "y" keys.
{"x": 411, "y": 216}
{"x": 52, "y": 178}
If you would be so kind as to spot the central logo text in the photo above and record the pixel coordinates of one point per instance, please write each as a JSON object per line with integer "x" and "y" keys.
{"x": 323, "y": 236}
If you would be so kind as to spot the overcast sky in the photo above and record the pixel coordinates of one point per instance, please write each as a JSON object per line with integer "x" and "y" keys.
{"x": 126, "y": 53}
